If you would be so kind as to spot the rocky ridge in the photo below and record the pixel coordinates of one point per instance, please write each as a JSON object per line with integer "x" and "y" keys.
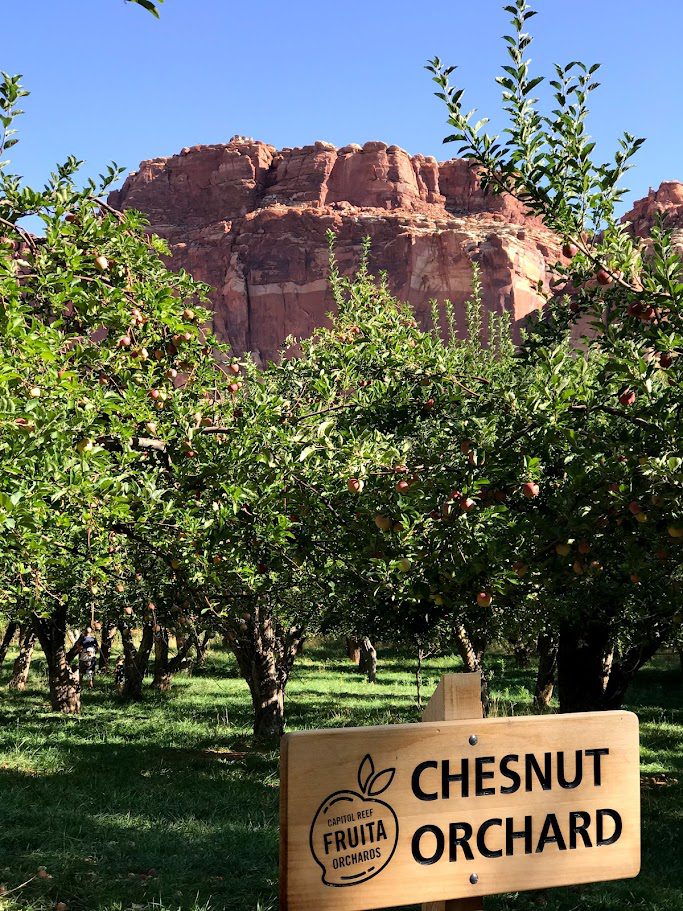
{"x": 251, "y": 221}
{"x": 665, "y": 203}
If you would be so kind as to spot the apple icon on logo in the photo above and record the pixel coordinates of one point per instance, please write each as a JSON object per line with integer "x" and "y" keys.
{"x": 353, "y": 835}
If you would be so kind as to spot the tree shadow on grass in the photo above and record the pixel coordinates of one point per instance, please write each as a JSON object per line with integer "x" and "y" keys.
{"x": 121, "y": 823}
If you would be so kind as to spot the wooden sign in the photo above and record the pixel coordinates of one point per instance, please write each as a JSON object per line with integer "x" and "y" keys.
{"x": 382, "y": 816}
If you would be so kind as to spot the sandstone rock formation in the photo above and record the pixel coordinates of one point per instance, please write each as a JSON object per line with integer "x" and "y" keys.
{"x": 665, "y": 203}
{"x": 251, "y": 221}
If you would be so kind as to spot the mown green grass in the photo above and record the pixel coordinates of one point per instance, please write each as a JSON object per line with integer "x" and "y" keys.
{"x": 126, "y": 810}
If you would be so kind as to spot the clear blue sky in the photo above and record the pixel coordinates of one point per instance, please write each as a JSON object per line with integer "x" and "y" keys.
{"x": 110, "y": 82}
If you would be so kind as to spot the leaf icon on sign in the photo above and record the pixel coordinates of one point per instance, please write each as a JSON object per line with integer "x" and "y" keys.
{"x": 381, "y": 782}
{"x": 365, "y": 773}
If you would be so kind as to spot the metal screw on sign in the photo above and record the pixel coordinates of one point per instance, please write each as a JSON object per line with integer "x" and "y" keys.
{"x": 474, "y": 879}
{"x": 473, "y": 739}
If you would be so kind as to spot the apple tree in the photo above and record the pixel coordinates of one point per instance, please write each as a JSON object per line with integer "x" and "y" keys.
{"x": 105, "y": 369}
{"x": 605, "y": 440}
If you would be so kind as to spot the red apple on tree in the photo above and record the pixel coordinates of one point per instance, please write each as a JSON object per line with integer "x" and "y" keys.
{"x": 531, "y": 490}
{"x": 484, "y": 599}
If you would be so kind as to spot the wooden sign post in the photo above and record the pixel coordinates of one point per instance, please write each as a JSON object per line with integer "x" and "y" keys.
{"x": 457, "y": 697}
{"x": 448, "y": 811}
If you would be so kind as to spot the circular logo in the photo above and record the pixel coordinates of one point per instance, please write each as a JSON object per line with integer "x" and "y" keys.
{"x": 354, "y": 835}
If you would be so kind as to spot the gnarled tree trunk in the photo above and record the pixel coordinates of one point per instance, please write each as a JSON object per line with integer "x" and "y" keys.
{"x": 626, "y": 665}
{"x": 547, "y": 671}
{"x": 201, "y": 647}
{"x": 353, "y": 649}
{"x": 471, "y": 658}
{"x": 471, "y": 652}
{"x": 106, "y": 643}
{"x": 164, "y": 666}
{"x": 135, "y": 659}
{"x": 7, "y": 640}
{"x": 22, "y": 663}
{"x": 368, "y": 660}
{"x": 581, "y": 666}
{"x": 65, "y": 690}
{"x": 162, "y": 679}
{"x": 265, "y": 655}
{"x": 592, "y": 675}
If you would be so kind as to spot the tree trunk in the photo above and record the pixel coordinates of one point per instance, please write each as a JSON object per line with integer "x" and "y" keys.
{"x": 581, "y": 666}
{"x": 65, "y": 690}
{"x": 181, "y": 639}
{"x": 607, "y": 664}
{"x": 106, "y": 643}
{"x": 470, "y": 658}
{"x": 265, "y": 655}
{"x": 268, "y": 699}
{"x": 368, "y": 660}
{"x": 164, "y": 666}
{"x": 592, "y": 676}
{"x": 202, "y": 647}
{"x": 22, "y": 663}
{"x": 625, "y": 667}
{"x": 472, "y": 655}
{"x": 135, "y": 660}
{"x": 353, "y": 649}
{"x": 418, "y": 676}
{"x": 547, "y": 670}
{"x": 7, "y": 640}
{"x": 162, "y": 678}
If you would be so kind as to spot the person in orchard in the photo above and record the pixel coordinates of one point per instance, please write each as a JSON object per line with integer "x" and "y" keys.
{"x": 87, "y": 656}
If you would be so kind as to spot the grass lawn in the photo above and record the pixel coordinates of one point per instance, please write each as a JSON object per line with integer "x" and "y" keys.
{"x": 128, "y": 809}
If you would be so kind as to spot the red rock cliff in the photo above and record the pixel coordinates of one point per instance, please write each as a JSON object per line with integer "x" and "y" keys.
{"x": 666, "y": 203}
{"x": 251, "y": 222}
